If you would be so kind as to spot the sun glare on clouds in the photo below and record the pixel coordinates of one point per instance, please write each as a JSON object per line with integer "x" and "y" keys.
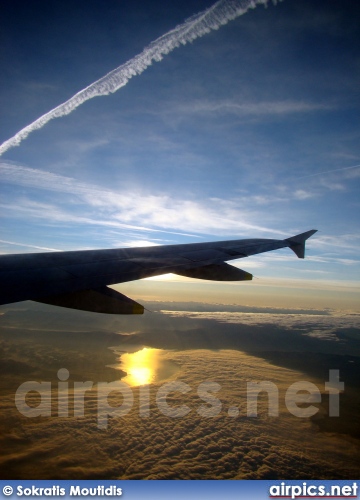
{"x": 140, "y": 366}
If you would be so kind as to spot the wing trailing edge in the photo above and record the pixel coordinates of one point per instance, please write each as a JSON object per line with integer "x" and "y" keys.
{"x": 100, "y": 300}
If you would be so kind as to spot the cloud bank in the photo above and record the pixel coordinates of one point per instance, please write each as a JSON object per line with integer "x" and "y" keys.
{"x": 195, "y": 27}
{"x": 191, "y": 447}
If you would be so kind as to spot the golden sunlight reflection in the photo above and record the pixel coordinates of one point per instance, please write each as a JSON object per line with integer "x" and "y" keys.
{"x": 141, "y": 367}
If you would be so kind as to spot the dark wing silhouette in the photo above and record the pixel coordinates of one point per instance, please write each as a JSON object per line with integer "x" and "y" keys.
{"x": 78, "y": 279}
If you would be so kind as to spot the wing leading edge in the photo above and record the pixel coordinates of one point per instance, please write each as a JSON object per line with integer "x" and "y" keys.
{"x": 78, "y": 279}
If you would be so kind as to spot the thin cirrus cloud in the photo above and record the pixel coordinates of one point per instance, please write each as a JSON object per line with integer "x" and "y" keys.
{"x": 195, "y": 27}
{"x": 133, "y": 210}
{"x": 253, "y": 109}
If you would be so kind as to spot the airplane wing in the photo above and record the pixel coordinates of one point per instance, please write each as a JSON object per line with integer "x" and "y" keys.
{"x": 78, "y": 279}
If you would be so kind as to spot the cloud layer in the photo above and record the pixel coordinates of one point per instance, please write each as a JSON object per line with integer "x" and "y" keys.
{"x": 43, "y": 339}
{"x": 191, "y": 447}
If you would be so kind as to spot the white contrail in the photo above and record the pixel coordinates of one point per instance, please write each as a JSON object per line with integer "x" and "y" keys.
{"x": 30, "y": 246}
{"x": 196, "y": 26}
{"x": 328, "y": 171}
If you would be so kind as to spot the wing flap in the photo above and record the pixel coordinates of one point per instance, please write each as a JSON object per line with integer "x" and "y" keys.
{"x": 100, "y": 300}
{"x": 216, "y": 272}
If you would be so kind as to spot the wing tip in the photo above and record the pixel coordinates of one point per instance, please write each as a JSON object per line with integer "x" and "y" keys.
{"x": 297, "y": 242}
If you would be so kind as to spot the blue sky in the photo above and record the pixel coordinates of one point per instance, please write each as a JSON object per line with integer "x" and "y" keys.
{"x": 252, "y": 130}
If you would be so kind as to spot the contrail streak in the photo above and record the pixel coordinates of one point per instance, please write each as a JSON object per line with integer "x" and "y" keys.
{"x": 328, "y": 171}
{"x": 196, "y": 26}
{"x": 30, "y": 246}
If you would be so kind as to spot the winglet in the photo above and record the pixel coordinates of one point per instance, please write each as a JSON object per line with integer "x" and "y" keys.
{"x": 297, "y": 243}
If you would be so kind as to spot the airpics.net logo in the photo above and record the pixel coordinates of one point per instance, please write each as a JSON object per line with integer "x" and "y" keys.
{"x": 116, "y": 399}
{"x": 305, "y": 490}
